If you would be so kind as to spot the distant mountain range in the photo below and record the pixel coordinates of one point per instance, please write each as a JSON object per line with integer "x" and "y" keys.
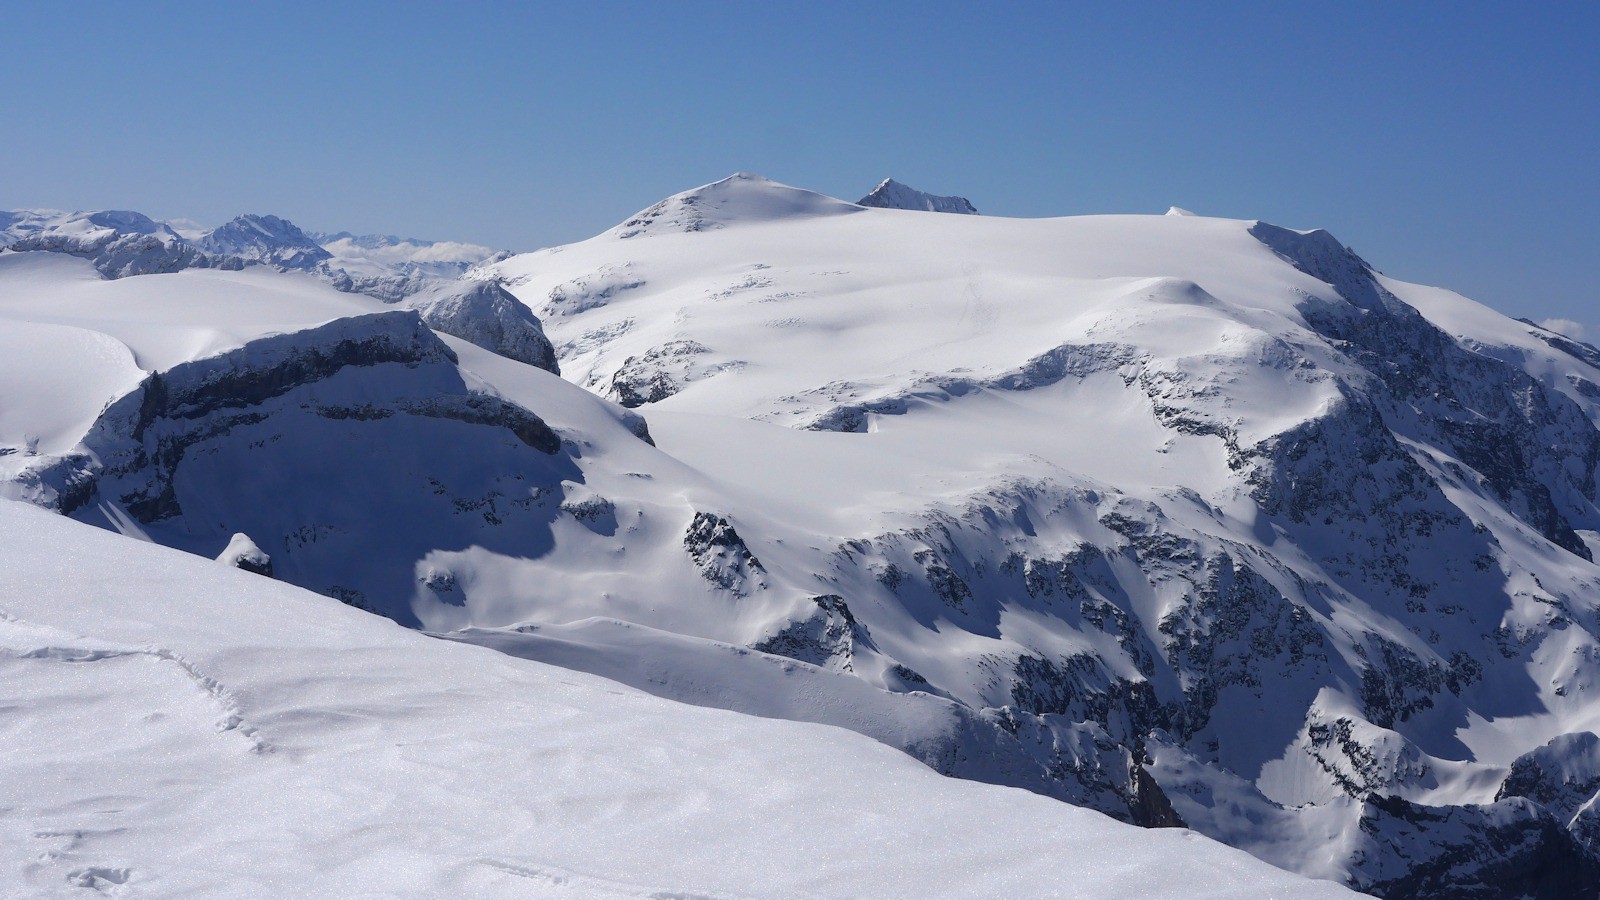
{"x": 247, "y": 239}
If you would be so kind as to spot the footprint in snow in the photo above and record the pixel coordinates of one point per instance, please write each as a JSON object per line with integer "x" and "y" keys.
{"x": 100, "y": 878}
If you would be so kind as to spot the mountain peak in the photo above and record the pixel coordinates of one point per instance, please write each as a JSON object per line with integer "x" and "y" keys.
{"x": 266, "y": 239}
{"x": 87, "y": 225}
{"x": 891, "y": 194}
{"x": 741, "y": 198}
{"x": 124, "y": 221}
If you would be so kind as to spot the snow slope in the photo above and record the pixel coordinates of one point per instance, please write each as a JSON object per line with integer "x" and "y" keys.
{"x": 1207, "y": 490}
{"x": 176, "y": 727}
{"x": 1179, "y": 518}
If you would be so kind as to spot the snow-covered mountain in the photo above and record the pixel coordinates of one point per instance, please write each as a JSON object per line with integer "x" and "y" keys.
{"x": 1211, "y": 493}
{"x": 119, "y": 242}
{"x": 891, "y": 194}
{"x": 176, "y": 728}
{"x": 264, "y": 239}
{"x": 1187, "y": 520}
{"x": 384, "y": 266}
{"x": 20, "y": 224}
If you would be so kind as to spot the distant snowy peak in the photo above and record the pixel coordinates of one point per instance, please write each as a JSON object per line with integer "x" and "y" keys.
{"x": 118, "y": 242}
{"x": 390, "y": 254}
{"x": 891, "y": 194}
{"x": 741, "y": 198}
{"x": 267, "y": 239}
{"x": 454, "y": 250}
{"x": 80, "y": 227}
{"x": 364, "y": 241}
{"x": 400, "y": 264}
{"x": 123, "y": 221}
{"x": 18, "y": 223}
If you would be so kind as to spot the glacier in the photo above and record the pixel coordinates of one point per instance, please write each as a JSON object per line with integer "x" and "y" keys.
{"x": 1194, "y": 522}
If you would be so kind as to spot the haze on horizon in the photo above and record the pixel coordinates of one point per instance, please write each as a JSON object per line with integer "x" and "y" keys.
{"x": 1450, "y": 145}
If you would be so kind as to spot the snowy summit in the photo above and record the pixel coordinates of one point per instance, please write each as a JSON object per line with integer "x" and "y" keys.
{"x": 266, "y": 239}
{"x": 891, "y": 194}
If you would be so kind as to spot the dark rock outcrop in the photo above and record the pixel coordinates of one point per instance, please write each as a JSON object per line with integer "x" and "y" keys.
{"x": 1511, "y": 848}
{"x": 721, "y": 555}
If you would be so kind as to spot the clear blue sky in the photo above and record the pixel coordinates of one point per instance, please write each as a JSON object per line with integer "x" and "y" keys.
{"x": 1449, "y": 143}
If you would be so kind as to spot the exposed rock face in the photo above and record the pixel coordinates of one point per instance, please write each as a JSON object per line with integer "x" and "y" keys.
{"x": 1563, "y": 777}
{"x": 826, "y": 638}
{"x": 141, "y": 439}
{"x": 946, "y": 735}
{"x": 663, "y": 371}
{"x": 1518, "y": 436}
{"x": 118, "y": 254}
{"x": 372, "y": 404}
{"x": 891, "y": 194}
{"x": 1511, "y": 848}
{"x": 590, "y": 292}
{"x": 596, "y": 512}
{"x": 1579, "y": 350}
{"x": 1043, "y": 370}
{"x": 721, "y": 555}
{"x": 1150, "y": 806}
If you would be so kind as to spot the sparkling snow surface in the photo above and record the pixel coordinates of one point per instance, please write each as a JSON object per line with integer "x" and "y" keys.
{"x": 175, "y": 727}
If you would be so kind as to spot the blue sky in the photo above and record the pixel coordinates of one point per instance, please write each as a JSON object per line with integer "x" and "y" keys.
{"x": 1454, "y": 144}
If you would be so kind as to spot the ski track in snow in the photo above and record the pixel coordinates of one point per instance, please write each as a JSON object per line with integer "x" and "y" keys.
{"x": 75, "y": 651}
{"x": 567, "y": 882}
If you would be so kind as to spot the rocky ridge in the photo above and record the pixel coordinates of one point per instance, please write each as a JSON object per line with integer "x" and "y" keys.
{"x": 891, "y": 194}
